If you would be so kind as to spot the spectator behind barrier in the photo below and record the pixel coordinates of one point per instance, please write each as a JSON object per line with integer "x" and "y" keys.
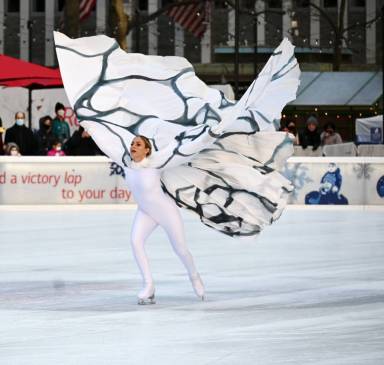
{"x": 310, "y": 136}
{"x": 56, "y": 149}
{"x": 44, "y": 135}
{"x": 81, "y": 144}
{"x": 290, "y": 127}
{"x": 22, "y": 136}
{"x": 2, "y": 130}
{"x": 60, "y": 128}
{"x": 12, "y": 149}
{"x": 330, "y": 136}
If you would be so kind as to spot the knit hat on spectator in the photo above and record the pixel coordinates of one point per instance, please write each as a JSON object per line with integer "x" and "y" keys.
{"x": 59, "y": 106}
{"x": 312, "y": 120}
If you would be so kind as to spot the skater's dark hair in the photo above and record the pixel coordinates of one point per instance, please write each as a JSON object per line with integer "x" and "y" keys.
{"x": 147, "y": 143}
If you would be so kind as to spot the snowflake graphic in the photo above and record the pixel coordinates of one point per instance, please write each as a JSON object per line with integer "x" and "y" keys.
{"x": 363, "y": 170}
{"x": 298, "y": 175}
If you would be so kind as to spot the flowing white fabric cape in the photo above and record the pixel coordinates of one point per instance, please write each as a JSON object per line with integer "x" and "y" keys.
{"x": 219, "y": 158}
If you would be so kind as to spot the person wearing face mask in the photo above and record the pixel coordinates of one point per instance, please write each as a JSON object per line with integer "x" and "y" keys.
{"x": 22, "y": 136}
{"x": 60, "y": 128}
{"x": 56, "y": 149}
{"x": 44, "y": 135}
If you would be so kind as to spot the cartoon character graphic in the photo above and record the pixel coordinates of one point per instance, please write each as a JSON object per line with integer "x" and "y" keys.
{"x": 380, "y": 187}
{"x": 329, "y": 190}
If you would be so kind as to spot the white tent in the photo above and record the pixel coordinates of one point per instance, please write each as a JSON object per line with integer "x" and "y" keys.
{"x": 369, "y": 130}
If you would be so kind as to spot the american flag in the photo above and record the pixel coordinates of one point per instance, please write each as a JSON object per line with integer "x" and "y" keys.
{"x": 192, "y": 17}
{"x": 85, "y": 8}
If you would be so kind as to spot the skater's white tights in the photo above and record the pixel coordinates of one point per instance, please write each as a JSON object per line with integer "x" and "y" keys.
{"x": 143, "y": 226}
{"x": 155, "y": 209}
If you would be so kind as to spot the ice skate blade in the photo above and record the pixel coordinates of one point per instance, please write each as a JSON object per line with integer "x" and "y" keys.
{"x": 146, "y": 301}
{"x": 203, "y": 298}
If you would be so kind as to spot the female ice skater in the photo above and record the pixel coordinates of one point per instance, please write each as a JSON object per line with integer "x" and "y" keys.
{"x": 218, "y": 158}
{"x": 155, "y": 209}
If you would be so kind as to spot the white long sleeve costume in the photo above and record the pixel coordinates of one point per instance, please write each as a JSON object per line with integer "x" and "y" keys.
{"x": 155, "y": 208}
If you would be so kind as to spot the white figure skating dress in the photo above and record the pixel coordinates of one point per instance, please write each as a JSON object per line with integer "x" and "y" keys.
{"x": 217, "y": 158}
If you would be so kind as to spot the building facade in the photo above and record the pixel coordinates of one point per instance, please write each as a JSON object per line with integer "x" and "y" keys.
{"x": 26, "y": 29}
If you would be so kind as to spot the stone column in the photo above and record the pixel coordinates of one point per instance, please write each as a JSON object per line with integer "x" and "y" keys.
{"x": 206, "y": 40}
{"x": 231, "y": 27}
{"x": 314, "y": 25}
{"x": 179, "y": 40}
{"x": 260, "y": 6}
{"x": 49, "y": 28}
{"x": 286, "y": 7}
{"x": 345, "y": 18}
{"x": 370, "y": 32}
{"x": 25, "y": 11}
{"x": 153, "y": 32}
{"x": 101, "y": 16}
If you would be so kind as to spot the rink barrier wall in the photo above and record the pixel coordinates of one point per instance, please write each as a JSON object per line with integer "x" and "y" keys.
{"x": 97, "y": 180}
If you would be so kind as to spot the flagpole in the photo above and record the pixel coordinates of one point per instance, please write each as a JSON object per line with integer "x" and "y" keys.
{"x": 237, "y": 40}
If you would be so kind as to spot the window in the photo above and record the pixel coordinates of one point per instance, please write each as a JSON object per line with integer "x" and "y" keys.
{"x": 38, "y": 6}
{"x": 220, "y": 4}
{"x": 166, "y": 2}
{"x": 274, "y": 4}
{"x": 143, "y": 4}
{"x": 60, "y": 5}
{"x": 358, "y": 3}
{"x": 303, "y": 3}
{"x": 248, "y": 4}
{"x": 13, "y": 6}
{"x": 330, "y": 3}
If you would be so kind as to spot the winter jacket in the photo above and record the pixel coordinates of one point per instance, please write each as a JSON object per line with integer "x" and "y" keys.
{"x": 23, "y": 137}
{"x": 308, "y": 138}
{"x": 60, "y": 130}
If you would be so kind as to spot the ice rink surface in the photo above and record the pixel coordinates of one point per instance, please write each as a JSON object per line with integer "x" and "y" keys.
{"x": 308, "y": 290}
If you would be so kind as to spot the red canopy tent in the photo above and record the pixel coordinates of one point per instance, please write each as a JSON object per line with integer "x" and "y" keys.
{"x": 15, "y": 72}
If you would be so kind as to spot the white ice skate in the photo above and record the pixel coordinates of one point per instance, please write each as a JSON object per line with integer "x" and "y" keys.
{"x": 147, "y": 295}
{"x": 198, "y": 286}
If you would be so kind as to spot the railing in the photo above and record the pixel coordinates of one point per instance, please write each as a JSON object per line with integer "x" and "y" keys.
{"x": 97, "y": 180}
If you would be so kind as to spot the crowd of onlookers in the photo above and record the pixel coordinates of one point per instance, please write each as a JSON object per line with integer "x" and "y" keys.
{"x": 311, "y": 136}
{"x": 53, "y": 138}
